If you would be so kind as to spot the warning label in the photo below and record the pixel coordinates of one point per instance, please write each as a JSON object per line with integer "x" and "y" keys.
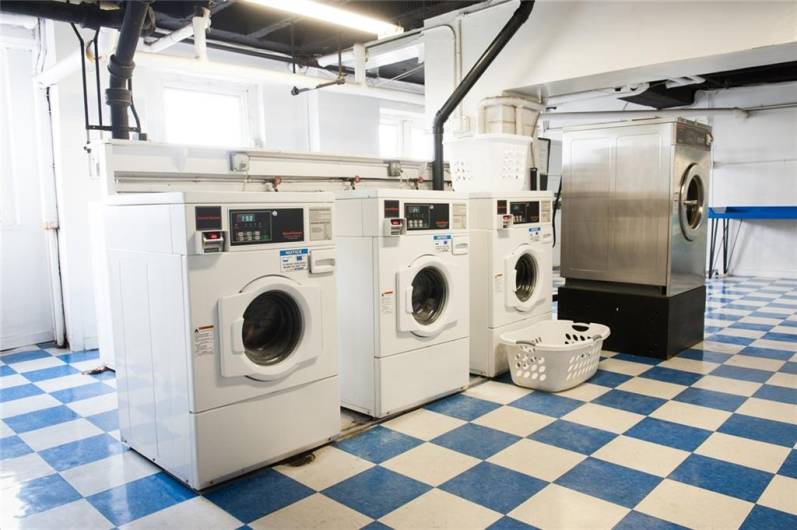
{"x": 387, "y": 302}
{"x": 442, "y": 243}
{"x": 294, "y": 259}
{"x": 535, "y": 232}
{"x": 204, "y": 340}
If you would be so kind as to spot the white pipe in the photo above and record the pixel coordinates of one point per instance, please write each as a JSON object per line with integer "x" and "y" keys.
{"x": 167, "y": 41}
{"x": 71, "y": 63}
{"x": 360, "y": 59}
{"x": 637, "y": 114}
{"x": 684, "y": 81}
{"x": 226, "y": 71}
{"x": 625, "y": 91}
{"x": 200, "y": 25}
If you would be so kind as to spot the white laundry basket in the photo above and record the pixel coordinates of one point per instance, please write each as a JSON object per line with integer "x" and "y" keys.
{"x": 489, "y": 162}
{"x": 554, "y": 355}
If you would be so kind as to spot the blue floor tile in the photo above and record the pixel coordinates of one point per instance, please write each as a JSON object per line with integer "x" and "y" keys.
{"x": 668, "y": 433}
{"x": 40, "y": 418}
{"x": 548, "y": 404}
{"x": 38, "y": 495}
{"x": 257, "y": 494}
{"x": 789, "y": 368}
{"x": 711, "y": 399}
{"x": 742, "y": 307}
{"x": 704, "y": 355}
{"x": 462, "y": 407}
{"x": 751, "y": 326}
{"x": 378, "y": 444}
{"x": 768, "y": 353}
{"x": 77, "y": 393}
{"x": 610, "y": 379}
{"x": 495, "y": 487}
{"x": 630, "y": 401}
{"x": 765, "y": 314}
{"x": 786, "y": 337}
{"x": 640, "y": 521}
{"x": 790, "y": 323}
{"x": 107, "y": 421}
{"x": 82, "y": 451}
{"x": 775, "y": 432}
{"x": 48, "y": 344}
{"x": 376, "y": 525}
{"x": 723, "y": 477}
{"x": 610, "y": 482}
{"x": 572, "y": 436}
{"x": 23, "y": 356}
{"x": 80, "y": 356}
{"x": 763, "y": 518}
{"x": 19, "y": 392}
{"x": 745, "y": 374}
{"x": 777, "y": 393}
{"x": 476, "y": 441}
{"x": 139, "y": 498}
{"x": 376, "y": 492}
{"x": 731, "y": 339}
{"x": 6, "y": 370}
{"x": 49, "y": 373}
{"x": 508, "y": 523}
{"x": 719, "y": 315}
{"x": 669, "y": 375}
{"x": 710, "y": 330}
{"x": 789, "y": 467}
{"x": 12, "y": 447}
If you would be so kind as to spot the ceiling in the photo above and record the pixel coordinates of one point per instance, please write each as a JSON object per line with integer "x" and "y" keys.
{"x": 243, "y": 23}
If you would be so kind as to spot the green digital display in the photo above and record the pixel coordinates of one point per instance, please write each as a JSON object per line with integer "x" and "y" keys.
{"x": 246, "y": 218}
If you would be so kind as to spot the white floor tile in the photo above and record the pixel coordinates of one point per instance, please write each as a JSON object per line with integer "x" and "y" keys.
{"x": 494, "y": 391}
{"x": 789, "y": 330}
{"x": 770, "y": 410}
{"x": 95, "y": 405}
{"x": 26, "y": 405}
{"x": 439, "y": 509}
{"x": 689, "y": 365}
{"x": 108, "y": 473}
{"x": 537, "y": 459}
{"x": 424, "y": 424}
{"x": 757, "y": 363}
{"x": 15, "y": 471}
{"x": 59, "y": 434}
{"x": 693, "y": 415}
{"x": 195, "y": 514}
{"x": 729, "y": 386}
{"x": 430, "y": 463}
{"x": 313, "y": 512}
{"x": 721, "y": 347}
{"x": 61, "y": 383}
{"x": 759, "y": 320}
{"x": 584, "y": 392}
{"x": 644, "y": 456}
{"x": 10, "y": 381}
{"x": 37, "y": 364}
{"x": 623, "y": 367}
{"x": 605, "y": 418}
{"x": 741, "y": 332}
{"x": 652, "y": 387}
{"x": 5, "y": 430}
{"x": 331, "y": 465}
{"x": 783, "y": 379}
{"x": 781, "y": 494}
{"x": 79, "y": 514}
{"x": 694, "y": 507}
{"x": 514, "y": 421}
{"x": 775, "y": 344}
{"x": 745, "y": 452}
{"x": 561, "y": 508}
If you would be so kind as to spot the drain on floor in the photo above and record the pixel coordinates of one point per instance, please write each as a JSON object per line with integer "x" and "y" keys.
{"x": 95, "y": 371}
{"x": 301, "y": 460}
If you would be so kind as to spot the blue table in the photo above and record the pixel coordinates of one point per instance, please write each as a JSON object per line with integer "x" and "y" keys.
{"x": 724, "y": 215}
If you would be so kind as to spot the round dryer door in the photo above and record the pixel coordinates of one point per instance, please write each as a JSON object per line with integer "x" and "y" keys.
{"x": 526, "y": 273}
{"x": 270, "y": 328}
{"x": 429, "y": 295}
{"x": 524, "y": 277}
{"x": 426, "y": 294}
{"x": 692, "y": 201}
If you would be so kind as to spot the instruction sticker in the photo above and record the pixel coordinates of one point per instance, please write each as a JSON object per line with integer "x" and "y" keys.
{"x": 535, "y": 232}
{"x": 442, "y": 243}
{"x": 204, "y": 340}
{"x": 294, "y": 259}
{"x": 386, "y": 302}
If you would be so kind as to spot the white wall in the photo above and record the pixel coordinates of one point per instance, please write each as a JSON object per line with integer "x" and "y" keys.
{"x": 335, "y": 123}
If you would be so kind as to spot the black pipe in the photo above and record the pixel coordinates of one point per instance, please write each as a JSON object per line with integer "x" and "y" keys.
{"x": 517, "y": 19}
{"x": 87, "y": 15}
{"x": 121, "y": 67}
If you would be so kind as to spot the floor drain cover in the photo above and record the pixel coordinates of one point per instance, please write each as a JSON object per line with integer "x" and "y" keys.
{"x": 301, "y": 460}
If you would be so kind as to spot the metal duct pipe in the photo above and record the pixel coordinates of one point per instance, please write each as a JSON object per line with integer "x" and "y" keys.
{"x": 517, "y": 19}
{"x": 121, "y": 67}
{"x": 87, "y": 15}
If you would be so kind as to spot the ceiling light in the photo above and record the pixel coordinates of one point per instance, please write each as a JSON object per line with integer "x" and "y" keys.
{"x": 333, "y": 15}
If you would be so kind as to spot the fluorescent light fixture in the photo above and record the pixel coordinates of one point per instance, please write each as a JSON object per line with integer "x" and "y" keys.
{"x": 333, "y": 15}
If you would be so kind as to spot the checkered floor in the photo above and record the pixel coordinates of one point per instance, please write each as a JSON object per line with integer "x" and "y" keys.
{"x": 706, "y": 439}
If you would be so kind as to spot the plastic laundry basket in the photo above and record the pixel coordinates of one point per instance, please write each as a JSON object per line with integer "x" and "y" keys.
{"x": 554, "y": 355}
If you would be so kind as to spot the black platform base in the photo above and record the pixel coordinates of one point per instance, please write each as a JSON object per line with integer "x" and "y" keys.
{"x": 650, "y": 325}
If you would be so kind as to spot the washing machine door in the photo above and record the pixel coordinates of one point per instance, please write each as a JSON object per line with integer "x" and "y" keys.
{"x": 426, "y": 296}
{"x": 523, "y": 277}
{"x": 270, "y": 328}
{"x": 692, "y": 199}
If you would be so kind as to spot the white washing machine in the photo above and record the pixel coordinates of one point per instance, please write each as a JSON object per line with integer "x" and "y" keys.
{"x": 403, "y": 304}
{"x": 511, "y": 269}
{"x": 224, "y": 327}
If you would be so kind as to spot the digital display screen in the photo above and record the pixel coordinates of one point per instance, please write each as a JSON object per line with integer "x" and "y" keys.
{"x": 246, "y": 218}
{"x": 272, "y": 225}
{"x": 432, "y": 216}
{"x": 525, "y": 212}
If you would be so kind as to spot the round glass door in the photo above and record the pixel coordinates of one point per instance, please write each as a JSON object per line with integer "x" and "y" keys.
{"x": 272, "y": 328}
{"x": 525, "y": 277}
{"x": 692, "y": 202}
{"x": 429, "y": 295}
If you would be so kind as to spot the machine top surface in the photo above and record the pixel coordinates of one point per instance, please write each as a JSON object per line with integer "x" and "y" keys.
{"x": 374, "y": 193}
{"x": 511, "y": 195}
{"x": 632, "y": 123}
{"x": 214, "y": 197}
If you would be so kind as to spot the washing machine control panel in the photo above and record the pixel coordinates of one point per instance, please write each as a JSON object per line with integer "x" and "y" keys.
{"x": 271, "y": 225}
{"x": 427, "y": 216}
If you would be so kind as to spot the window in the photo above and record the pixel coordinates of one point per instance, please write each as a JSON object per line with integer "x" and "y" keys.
{"x": 403, "y": 135}
{"x": 204, "y": 118}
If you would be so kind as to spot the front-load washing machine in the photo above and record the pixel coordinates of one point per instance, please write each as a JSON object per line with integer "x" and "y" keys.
{"x": 511, "y": 270}
{"x": 403, "y": 297}
{"x": 224, "y": 327}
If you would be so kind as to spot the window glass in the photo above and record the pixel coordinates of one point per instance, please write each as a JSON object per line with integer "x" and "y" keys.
{"x": 203, "y": 118}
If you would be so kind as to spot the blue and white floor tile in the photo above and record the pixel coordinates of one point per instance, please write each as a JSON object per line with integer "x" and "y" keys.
{"x": 705, "y": 440}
